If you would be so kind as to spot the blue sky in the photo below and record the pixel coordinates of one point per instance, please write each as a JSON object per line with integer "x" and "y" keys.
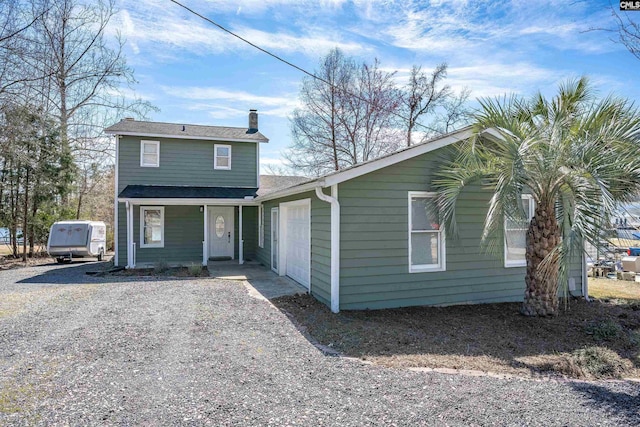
{"x": 196, "y": 73}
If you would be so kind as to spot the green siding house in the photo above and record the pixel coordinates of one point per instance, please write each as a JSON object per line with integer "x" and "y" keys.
{"x": 361, "y": 238}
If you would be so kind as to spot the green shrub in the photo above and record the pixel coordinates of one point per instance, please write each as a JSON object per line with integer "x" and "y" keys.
{"x": 634, "y": 338}
{"x": 160, "y": 267}
{"x": 607, "y": 330}
{"x": 600, "y": 362}
{"x": 195, "y": 270}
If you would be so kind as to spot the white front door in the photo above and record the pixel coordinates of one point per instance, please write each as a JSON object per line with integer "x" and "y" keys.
{"x": 297, "y": 250}
{"x": 221, "y": 231}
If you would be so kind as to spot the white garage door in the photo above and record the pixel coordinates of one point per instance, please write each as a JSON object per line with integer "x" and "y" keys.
{"x": 297, "y": 244}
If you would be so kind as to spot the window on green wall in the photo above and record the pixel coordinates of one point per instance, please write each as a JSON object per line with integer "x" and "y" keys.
{"x": 150, "y": 154}
{"x": 426, "y": 238}
{"x": 515, "y": 235}
{"x": 151, "y": 227}
{"x": 222, "y": 156}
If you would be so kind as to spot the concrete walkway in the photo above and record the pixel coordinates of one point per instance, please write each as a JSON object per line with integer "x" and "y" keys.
{"x": 260, "y": 281}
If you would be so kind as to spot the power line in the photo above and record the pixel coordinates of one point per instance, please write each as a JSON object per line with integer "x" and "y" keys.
{"x": 273, "y": 55}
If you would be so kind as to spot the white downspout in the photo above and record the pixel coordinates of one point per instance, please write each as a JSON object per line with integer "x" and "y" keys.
{"x": 335, "y": 244}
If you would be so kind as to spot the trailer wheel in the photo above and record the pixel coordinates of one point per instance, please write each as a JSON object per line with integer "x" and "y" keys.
{"x": 60, "y": 260}
{"x": 100, "y": 255}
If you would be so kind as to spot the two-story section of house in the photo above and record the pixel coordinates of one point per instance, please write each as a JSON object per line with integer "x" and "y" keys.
{"x": 185, "y": 193}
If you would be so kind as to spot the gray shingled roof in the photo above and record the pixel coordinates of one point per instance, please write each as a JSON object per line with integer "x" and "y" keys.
{"x": 185, "y": 192}
{"x": 271, "y": 183}
{"x": 184, "y": 130}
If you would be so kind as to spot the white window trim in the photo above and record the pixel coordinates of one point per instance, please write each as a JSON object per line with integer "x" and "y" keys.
{"x": 518, "y": 263}
{"x": 261, "y": 225}
{"x": 442, "y": 261}
{"x": 149, "y": 165}
{"x": 151, "y": 208}
{"x": 215, "y": 157}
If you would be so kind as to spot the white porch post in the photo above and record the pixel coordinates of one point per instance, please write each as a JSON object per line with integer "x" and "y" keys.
{"x": 205, "y": 242}
{"x": 130, "y": 249}
{"x": 240, "y": 239}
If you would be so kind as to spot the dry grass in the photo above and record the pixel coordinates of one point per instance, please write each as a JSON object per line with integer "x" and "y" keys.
{"x": 613, "y": 289}
{"x": 490, "y": 337}
{"x": 6, "y": 249}
{"x": 8, "y": 262}
{"x": 624, "y": 243}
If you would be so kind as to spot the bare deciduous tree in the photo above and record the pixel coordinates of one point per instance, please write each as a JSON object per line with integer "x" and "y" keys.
{"x": 58, "y": 67}
{"x": 628, "y": 31}
{"x": 354, "y": 112}
{"x": 315, "y": 125}
{"x": 84, "y": 90}
{"x": 346, "y": 119}
{"x": 425, "y": 95}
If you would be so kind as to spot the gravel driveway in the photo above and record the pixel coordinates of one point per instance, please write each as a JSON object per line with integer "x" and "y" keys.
{"x": 81, "y": 350}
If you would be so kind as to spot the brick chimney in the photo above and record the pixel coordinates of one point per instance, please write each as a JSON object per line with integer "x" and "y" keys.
{"x": 253, "y": 121}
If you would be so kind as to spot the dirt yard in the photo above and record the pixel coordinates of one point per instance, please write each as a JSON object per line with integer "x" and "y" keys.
{"x": 588, "y": 340}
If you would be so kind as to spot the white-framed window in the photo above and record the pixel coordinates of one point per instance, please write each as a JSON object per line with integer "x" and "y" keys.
{"x": 221, "y": 156}
{"x": 151, "y": 226}
{"x": 261, "y": 225}
{"x": 426, "y": 236}
{"x": 150, "y": 154}
{"x": 515, "y": 235}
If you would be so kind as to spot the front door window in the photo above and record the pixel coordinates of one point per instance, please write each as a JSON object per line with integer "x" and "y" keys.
{"x": 219, "y": 226}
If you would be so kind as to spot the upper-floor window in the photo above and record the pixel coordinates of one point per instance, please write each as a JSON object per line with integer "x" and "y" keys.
{"x": 515, "y": 235}
{"x": 150, "y": 154}
{"x": 222, "y": 156}
{"x": 426, "y": 239}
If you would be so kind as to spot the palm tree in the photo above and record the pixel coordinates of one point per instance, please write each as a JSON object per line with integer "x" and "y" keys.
{"x": 577, "y": 156}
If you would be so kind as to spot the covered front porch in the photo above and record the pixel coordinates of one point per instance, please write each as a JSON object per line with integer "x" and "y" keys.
{"x": 188, "y": 230}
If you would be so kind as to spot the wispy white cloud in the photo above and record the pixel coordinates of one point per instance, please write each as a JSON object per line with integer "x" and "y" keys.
{"x": 498, "y": 78}
{"x": 155, "y": 26}
{"x": 222, "y": 103}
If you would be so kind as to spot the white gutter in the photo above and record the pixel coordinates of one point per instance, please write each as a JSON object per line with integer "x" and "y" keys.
{"x": 335, "y": 244}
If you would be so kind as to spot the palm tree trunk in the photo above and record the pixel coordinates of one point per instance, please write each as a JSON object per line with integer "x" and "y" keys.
{"x": 543, "y": 235}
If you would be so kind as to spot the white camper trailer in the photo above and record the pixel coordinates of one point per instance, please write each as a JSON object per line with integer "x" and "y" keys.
{"x": 69, "y": 239}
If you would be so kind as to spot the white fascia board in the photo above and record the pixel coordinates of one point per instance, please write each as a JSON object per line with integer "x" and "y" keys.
{"x": 207, "y": 138}
{"x": 190, "y": 202}
{"x": 309, "y": 186}
{"x": 392, "y": 159}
